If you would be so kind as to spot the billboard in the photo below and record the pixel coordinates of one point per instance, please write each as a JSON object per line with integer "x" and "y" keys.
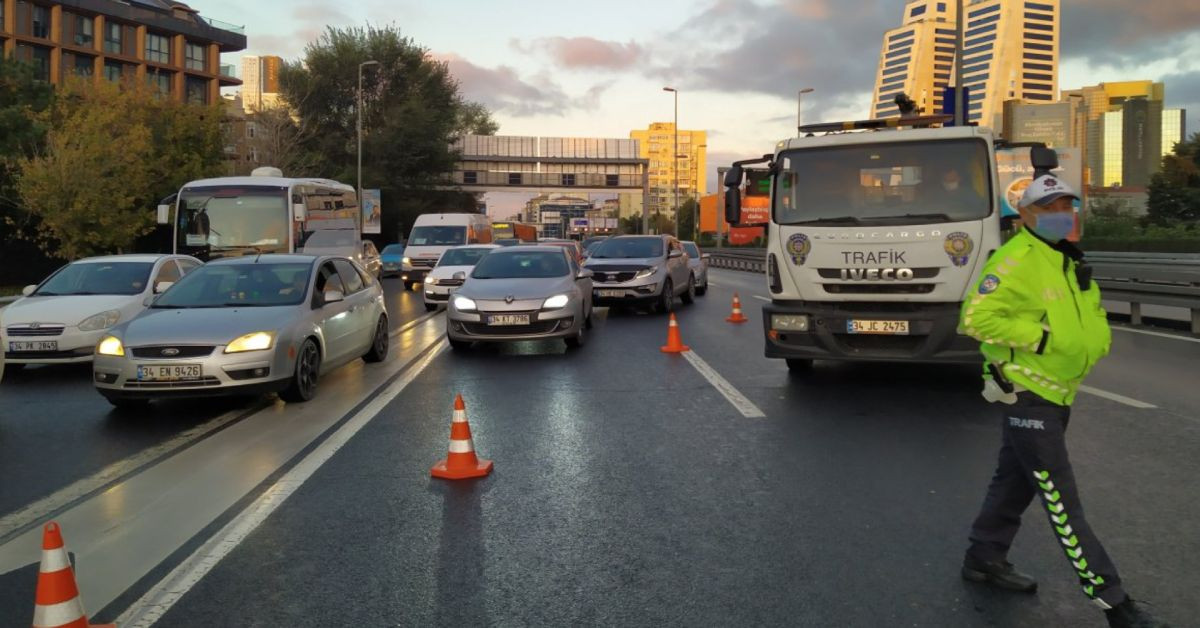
{"x": 372, "y": 211}
{"x": 756, "y": 210}
{"x": 1016, "y": 173}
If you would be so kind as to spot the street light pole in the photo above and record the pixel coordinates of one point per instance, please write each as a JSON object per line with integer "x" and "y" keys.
{"x": 675, "y": 156}
{"x": 799, "y": 114}
{"x": 358, "y": 124}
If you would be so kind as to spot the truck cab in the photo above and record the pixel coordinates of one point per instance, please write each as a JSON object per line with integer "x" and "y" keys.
{"x": 877, "y": 230}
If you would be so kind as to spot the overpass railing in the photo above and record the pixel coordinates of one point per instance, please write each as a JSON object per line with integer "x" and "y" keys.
{"x": 1166, "y": 279}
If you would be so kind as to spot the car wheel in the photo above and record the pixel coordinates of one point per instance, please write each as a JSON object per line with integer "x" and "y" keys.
{"x": 702, "y": 290}
{"x": 127, "y": 404}
{"x": 379, "y": 344}
{"x": 798, "y": 366}
{"x": 429, "y": 307}
{"x": 689, "y": 295}
{"x": 579, "y": 339}
{"x": 666, "y": 300}
{"x": 303, "y": 385}
{"x": 459, "y": 345}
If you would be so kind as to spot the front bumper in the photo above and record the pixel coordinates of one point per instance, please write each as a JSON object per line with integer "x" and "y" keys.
{"x": 626, "y": 294}
{"x": 933, "y": 333}
{"x": 414, "y": 275}
{"x": 439, "y": 294}
{"x": 253, "y": 372}
{"x": 74, "y": 347}
{"x": 472, "y": 327}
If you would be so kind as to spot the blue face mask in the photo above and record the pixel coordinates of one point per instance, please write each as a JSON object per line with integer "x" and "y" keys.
{"x": 1055, "y": 226}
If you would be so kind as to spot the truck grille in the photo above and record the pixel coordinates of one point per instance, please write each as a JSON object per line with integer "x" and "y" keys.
{"x": 423, "y": 263}
{"x": 25, "y": 331}
{"x": 192, "y": 383}
{"x": 879, "y": 288}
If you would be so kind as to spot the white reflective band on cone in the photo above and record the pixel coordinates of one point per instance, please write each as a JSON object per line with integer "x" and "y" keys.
{"x": 58, "y": 614}
{"x": 460, "y": 416}
{"x": 461, "y": 447}
{"x": 54, "y": 560}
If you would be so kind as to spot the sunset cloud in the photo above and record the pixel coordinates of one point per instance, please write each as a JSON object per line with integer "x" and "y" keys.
{"x": 574, "y": 53}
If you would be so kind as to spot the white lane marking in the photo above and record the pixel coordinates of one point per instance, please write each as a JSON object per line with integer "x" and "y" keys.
{"x": 42, "y": 508}
{"x": 739, "y": 401}
{"x": 1159, "y": 334}
{"x": 1133, "y": 403}
{"x": 761, "y": 298}
{"x": 162, "y": 596}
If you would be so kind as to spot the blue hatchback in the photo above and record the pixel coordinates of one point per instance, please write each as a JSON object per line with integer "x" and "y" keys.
{"x": 392, "y": 256}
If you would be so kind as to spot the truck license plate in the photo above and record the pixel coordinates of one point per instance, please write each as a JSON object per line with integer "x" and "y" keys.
{"x": 504, "y": 320}
{"x": 168, "y": 373}
{"x": 859, "y": 326}
{"x": 36, "y": 345}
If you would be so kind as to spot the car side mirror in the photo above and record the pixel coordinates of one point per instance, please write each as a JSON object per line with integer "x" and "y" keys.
{"x": 333, "y": 296}
{"x": 584, "y": 273}
{"x": 675, "y": 253}
{"x": 28, "y": 290}
{"x": 460, "y": 276}
{"x": 162, "y": 286}
{"x": 706, "y": 256}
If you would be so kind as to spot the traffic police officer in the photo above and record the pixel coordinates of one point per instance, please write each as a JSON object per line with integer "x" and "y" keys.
{"x": 1038, "y": 315}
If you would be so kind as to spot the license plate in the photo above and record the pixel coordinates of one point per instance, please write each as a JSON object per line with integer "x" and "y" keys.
{"x": 502, "y": 320}
{"x": 168, "y": 373}
{"x": 35, "y": 345}
{"x": 610, "y": 293}
{"x": 859, "y": 326}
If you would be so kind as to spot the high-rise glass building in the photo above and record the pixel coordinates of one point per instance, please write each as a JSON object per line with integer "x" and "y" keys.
{"x": 1010, "y": 50}
{"x": 1125, "y": 129}
{"x": 260, "y": 81}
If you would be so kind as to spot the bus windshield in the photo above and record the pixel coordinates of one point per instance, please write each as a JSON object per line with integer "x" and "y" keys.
{"x": 902, "y": 183}
{"x": 228, "y": 221}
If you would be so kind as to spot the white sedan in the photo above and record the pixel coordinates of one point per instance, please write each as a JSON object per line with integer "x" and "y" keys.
{"x": 61, "y": 319}
{"x": 441, "y": 280}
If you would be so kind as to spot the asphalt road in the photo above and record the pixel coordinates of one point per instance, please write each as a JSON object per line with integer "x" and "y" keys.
{"x": 629, "y": 489}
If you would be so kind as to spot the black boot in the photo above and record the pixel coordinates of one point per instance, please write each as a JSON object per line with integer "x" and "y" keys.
{"x": 1130, "y": 614}
{"x": 999, "y": 574}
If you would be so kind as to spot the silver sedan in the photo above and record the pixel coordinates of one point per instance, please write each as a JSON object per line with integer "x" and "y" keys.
{"x": 246, "y": 325}
{"x": 522, "y": 293}
{"x": 698, "y": 262}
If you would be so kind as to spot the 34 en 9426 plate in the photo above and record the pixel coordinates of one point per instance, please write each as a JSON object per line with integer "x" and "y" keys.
{"x": 168, "y": 372}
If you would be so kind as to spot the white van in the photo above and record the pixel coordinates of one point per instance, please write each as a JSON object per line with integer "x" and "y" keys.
{"x": 432, "y": 234}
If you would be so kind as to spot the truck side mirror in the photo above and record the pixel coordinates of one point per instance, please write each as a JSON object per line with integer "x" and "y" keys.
{"x": 733, "y": 205}
{"x": 164, "y": 214}
{"x": 1044, "y": 160}
{"x": 733, "y": 177}
{"x": 300, "y": 212}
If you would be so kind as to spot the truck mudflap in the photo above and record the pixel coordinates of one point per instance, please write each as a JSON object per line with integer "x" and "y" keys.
{"x": 902, "y": 332}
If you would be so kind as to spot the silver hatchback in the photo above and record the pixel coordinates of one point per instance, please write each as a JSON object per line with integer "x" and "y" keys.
{"x": 246, "y": 325}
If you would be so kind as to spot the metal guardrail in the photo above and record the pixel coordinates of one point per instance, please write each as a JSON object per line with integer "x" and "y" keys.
{"x": 1166, "y": 279}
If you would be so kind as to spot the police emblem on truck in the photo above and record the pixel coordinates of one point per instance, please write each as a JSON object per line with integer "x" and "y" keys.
{"x": 798, "y": 247}
{"x": 959, "y": 246}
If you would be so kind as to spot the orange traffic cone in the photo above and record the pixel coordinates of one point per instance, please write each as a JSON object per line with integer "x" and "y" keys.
{"x": 57, "y": 603}
{"x": 674, "y": 340}
{"x": 736, "y": 316}
{"x": 461, "y": 463}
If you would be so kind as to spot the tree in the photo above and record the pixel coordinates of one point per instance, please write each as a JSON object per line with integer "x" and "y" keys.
{"x": 111, "y": 153}
{"x": 412, "y": 112}
{"x": 23, "y": 100}
{"x": 687, "y": 220}
{"x": 279, "y": 141}
{"x": 1174, "y": 195}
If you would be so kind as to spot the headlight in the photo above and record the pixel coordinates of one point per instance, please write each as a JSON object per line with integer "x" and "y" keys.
{"x": 463, "y": 304}
{"x": 646, "y": 272}
{"x": 103, "y": 320}
{"x": 407, "y": 260}
{"x": 555, "y": 302}
{"x": 256, "y": 341}
{"x": 789, "y": 322}
{"x": 111, "y": 345}
{"x": 431, "y": 280}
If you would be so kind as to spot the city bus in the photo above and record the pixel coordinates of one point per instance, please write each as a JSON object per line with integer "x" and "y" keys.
{"x": 514, "y": 231}
{"x": 262, "y": 213}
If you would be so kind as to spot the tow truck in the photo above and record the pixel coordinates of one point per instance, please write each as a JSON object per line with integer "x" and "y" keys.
{"x": 877, "y": 230}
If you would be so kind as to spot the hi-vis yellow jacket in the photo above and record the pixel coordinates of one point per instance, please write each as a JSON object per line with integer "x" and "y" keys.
{"x": 1036, "y": 324}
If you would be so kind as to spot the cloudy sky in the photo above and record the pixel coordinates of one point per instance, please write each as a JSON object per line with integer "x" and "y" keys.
{"x": 566, "y": 67}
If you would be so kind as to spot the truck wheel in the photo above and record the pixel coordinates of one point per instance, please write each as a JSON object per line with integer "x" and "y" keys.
{"x": 797, "y": 366}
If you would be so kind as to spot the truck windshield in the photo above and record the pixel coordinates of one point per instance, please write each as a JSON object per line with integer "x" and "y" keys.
{"x": 214, "y": 222}
{"x": 903, "y": 183}
{"x": 437, "y": 236}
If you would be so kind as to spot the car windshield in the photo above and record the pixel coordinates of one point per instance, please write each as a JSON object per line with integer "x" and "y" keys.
{"x": 693, "y": 251}
{"x": 393, "y": 249}
{"x": 629, "y": 248}
{"x": 213, "y": 222}
{"x": 331, "y": 238}
{"x": 247, "y": 284}
{"x": 521, "y": 265}
{"x": 97, "y": 278}
{"x": 591, "y": 243}
{"x": 438, "y": 236}
{"x": 884, "y": 184}
{"x": 462, "y": 257}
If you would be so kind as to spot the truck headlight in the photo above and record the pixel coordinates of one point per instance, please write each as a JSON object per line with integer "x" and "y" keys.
{"x": 103, "y": 320}
{"x": 555, "y": 302}
{"x": 256, "y": 341}
{"x": 646, "y": 272}
{"x": 463, "y": 304}
{"x": 111, "y": 345}
{"x": 789, "y": 322}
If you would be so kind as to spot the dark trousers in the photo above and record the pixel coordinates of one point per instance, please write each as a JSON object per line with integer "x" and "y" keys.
{"x": 1033, "y": 463}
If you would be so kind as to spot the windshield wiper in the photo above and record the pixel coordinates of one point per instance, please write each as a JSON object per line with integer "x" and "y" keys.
{"x": 853, "y": 220}
{"x": 944, "y": 217}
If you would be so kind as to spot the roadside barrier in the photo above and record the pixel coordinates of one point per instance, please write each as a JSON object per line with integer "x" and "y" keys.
{"x": 736, "y": 316}
{"x": 674, "y": 339}
{"x": 57, "y": 603}
{"x": 461, "y": 462}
